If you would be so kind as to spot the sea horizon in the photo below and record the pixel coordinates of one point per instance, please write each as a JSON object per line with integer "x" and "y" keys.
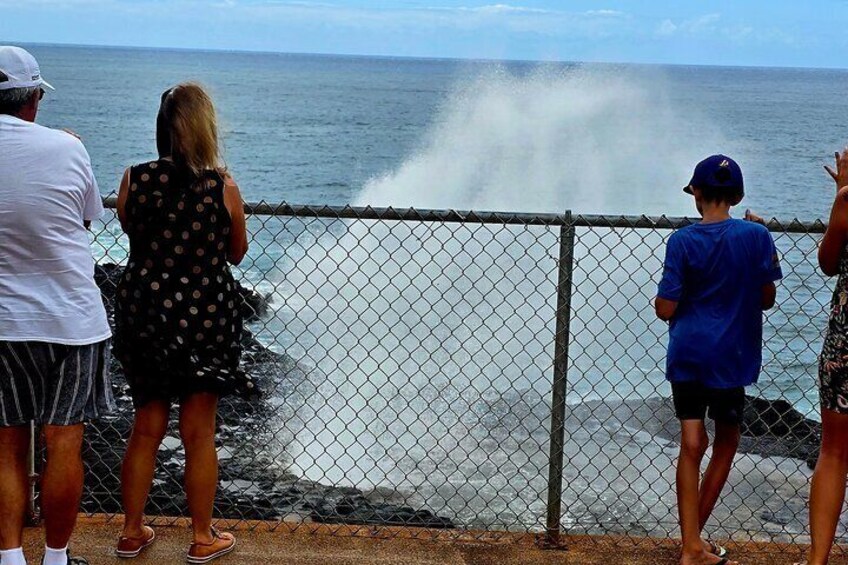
{"x": 388, "y": 57}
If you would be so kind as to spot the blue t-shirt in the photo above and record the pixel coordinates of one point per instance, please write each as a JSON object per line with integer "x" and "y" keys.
{"x": 716, "y": 272}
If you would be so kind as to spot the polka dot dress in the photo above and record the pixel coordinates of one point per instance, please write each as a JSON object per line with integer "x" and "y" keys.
{"x": 177, "y": 314}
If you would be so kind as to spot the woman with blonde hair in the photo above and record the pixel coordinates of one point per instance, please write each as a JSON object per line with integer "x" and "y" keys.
{"x": 177, "y": 312}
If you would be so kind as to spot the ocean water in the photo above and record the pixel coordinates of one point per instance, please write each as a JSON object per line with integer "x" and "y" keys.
{"x": 616, "y": 139}
{"x": 338, "y": 130}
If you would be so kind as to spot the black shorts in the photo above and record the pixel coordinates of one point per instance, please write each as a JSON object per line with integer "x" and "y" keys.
{"x": 53, "y": 384}
{"x": 692, "y": 399}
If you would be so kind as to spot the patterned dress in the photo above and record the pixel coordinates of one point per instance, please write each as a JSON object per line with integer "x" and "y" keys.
{"x": 833, "y": 365}
{"x": 177, "y": 312}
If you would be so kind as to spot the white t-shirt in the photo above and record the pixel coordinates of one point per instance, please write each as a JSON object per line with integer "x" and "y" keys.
{"x": 47, "y": 191}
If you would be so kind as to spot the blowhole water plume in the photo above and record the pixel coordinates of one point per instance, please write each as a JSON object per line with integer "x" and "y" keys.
{"x": 435, "y": 341}
{"x": 595, "y": 139}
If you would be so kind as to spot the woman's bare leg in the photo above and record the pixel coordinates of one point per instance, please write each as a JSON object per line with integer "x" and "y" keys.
{"x": 149, "y": 427}
{"x": 197, "y": 428}
{"x": 827, "y": 493}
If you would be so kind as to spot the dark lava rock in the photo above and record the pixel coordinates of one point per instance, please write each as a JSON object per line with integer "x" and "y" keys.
{"x": 358, "y": 510}
{"x": 254, "y": 305}
{"x": 774, "y": 427}
{"x": 776, "y": 417}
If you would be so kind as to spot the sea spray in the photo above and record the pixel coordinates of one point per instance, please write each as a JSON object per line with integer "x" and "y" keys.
{"x": 594, "y": 139}
{"x": 435, "y": 341}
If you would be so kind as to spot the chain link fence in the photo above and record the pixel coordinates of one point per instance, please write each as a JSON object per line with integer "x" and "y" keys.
{"x": 477, "y": 372}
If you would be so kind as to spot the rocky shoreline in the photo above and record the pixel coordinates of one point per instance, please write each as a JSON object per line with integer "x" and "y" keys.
{"x": 775, "y": 428}
{"x": 254, "y": 484}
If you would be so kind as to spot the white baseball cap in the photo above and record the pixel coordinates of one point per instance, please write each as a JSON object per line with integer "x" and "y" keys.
{"x": 19, "y": 69}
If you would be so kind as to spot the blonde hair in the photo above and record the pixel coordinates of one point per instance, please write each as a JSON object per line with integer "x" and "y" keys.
{"x": 187, "y": 129}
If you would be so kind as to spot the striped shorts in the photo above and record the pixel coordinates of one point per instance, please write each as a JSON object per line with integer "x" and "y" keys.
{"x": 53, "y": 384}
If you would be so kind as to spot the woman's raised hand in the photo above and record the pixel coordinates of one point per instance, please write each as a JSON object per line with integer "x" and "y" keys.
{"x": 840, "y": 175}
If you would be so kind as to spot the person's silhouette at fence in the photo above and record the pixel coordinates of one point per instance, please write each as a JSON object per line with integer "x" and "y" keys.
{"x": 827, "y": 493}
{"x": 718, "y": 277}
{"x": 54, "y": 334}
{"x": 177, "y": 313}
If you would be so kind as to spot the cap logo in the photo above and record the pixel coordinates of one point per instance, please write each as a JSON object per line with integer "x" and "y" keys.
{"x": 724, "y": 163}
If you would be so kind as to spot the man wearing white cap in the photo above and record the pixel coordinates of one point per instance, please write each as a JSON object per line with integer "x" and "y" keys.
{"x": 54, "y": 335}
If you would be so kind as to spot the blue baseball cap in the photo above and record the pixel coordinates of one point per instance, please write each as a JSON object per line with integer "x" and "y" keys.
{"x": 717, "y": 171}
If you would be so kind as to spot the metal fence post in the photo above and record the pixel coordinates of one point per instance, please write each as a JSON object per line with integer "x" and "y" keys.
{"x": 33, "y": 510}
{"x": 560, "y": 381}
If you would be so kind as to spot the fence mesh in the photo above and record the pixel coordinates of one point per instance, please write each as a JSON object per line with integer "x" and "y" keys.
{"x": 408, "y": 357}
{"x": 623, "y": 437}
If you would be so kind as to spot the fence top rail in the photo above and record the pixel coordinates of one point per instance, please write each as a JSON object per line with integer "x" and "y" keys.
{"x": 566, "y": 219}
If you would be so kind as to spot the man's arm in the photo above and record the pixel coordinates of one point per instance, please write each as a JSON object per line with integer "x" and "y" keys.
{"x": 665, "y": 308}
{"x": 769, "y": 296}
{"x": 93, "y": 201}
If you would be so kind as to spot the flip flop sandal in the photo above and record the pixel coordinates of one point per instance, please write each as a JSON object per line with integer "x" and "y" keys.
{"x": 717, "y": 550}
{"x": 129, "y": 548}
{"x": 199, "y": 553}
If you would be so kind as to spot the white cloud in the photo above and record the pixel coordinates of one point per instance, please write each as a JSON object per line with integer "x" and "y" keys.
{"x": 709, "y": 26}
{"x": 499, "y": 9}
{"x": 606, "y": 13}
{"x": 705, "y": 24}
{"x": 666, "y": 27}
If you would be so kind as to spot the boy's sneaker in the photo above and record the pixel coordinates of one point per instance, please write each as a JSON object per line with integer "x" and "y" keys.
{"x": 73, "y": 560}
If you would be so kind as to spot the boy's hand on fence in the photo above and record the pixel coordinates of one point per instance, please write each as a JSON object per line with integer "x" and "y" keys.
{"x": 751, "y": 217}
{"x": 840, "y": 175}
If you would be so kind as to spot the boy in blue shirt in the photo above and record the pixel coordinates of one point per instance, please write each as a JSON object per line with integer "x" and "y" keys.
{"x": 717, "y": 279}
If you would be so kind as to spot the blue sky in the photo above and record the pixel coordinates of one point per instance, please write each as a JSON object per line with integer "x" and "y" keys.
{"x": 806, "y": 33}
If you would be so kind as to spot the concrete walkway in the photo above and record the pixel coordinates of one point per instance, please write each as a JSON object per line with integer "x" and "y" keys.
{"x": 95, "y": 540}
